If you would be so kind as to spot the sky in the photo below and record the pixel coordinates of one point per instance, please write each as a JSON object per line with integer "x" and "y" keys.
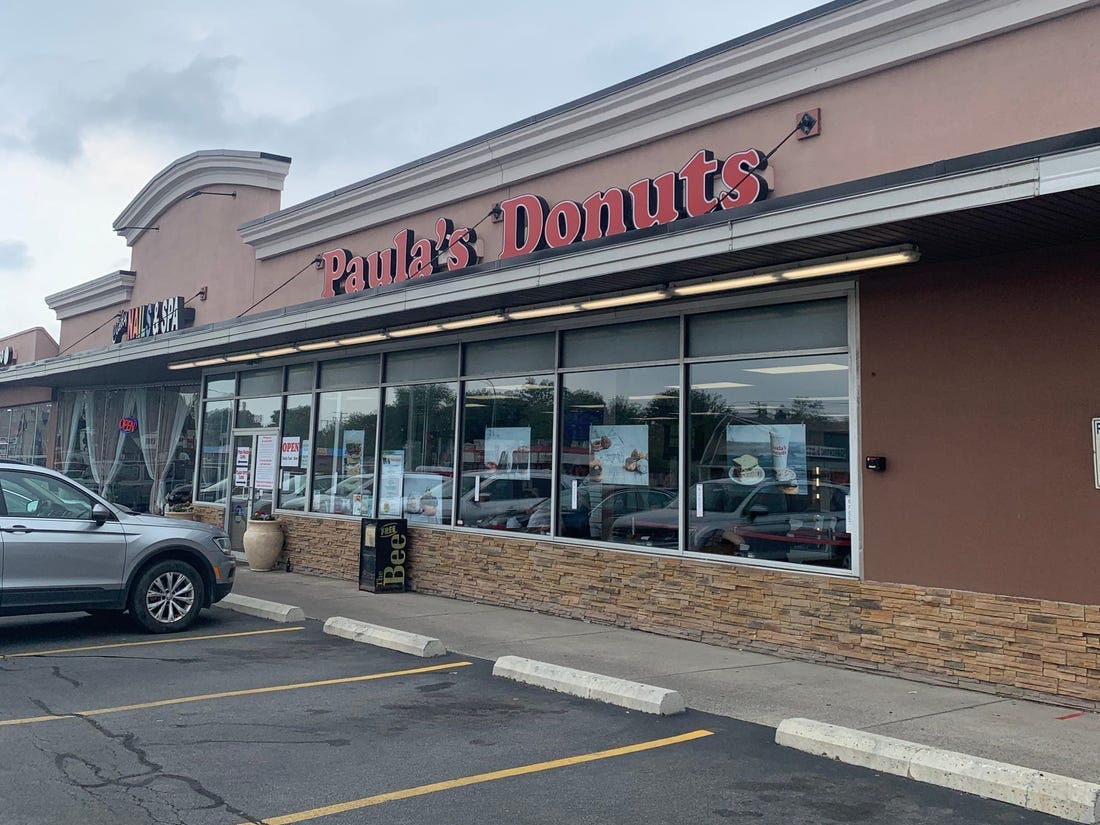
{"x": 98, "y": 97}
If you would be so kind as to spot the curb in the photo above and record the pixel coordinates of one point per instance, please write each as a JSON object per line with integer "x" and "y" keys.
{"x": 261, "y": 607}
{"x": 1048, "y": 793}
{"x": 613, "y": 691}
{"x": 387, "y": 637}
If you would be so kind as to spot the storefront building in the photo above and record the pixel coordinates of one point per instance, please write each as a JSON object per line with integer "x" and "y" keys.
{"x": 784, "y": 346}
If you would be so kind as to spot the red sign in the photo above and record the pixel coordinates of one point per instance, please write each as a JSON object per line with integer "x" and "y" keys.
{"x": 530, "y": 223}
{"x": 128, "y": 425}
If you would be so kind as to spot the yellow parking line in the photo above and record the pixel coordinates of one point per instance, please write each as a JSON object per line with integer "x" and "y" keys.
{"x": 229, "y": 694}
{"x": 422, "y": 790}
{"x": 172, "y": 640}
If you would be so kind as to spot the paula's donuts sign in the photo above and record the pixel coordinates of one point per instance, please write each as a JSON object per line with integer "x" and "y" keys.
{"x": 529, "y": 223}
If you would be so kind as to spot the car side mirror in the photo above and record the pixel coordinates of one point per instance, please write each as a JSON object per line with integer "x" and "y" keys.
{"x": 100, "y": 514}
{"x": 757, "y": 510}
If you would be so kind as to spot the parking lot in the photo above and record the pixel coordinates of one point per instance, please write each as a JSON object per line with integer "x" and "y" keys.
{"x": 241, "y": 720}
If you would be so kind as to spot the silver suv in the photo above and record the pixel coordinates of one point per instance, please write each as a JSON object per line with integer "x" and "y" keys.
{"x": 64, "y": 548}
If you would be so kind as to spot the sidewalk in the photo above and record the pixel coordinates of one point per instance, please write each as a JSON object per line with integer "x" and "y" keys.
{"x": 737, "y": 684}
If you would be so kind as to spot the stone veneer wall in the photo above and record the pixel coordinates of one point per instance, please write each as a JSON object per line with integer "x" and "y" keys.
{"x": 1008, "y": 645}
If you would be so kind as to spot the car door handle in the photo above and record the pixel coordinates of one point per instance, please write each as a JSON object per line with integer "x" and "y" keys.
{"x": 17, "y": 528}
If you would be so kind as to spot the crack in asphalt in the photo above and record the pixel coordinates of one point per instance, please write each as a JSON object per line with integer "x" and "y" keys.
{"x": 56, "y": 670}
{"x": 152, "y": 773}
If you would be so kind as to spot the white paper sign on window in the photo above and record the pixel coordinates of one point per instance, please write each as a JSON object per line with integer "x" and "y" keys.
{"x": 390, "y": 483}
{"x": 508, "y": 449}
{"x": 619, "y": 454}
{"x": 266, "y": 447}
{"x": 291, "y": 452}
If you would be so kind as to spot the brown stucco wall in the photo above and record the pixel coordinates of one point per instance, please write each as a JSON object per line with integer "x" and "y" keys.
{"x": 979, "y": 383}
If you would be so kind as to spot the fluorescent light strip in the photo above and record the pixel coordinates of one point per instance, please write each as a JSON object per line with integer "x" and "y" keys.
{"x": 889, "y": 256}
{"x": 473, "y": 322}
{"x": 719, "y": 385}
{"x": 850, "y": 265}
{"x": 364, "y": 339}
{"x": 411, "y": 331}
{"x": 543, "y": 312}
{"x": 718, "y": 286}
{"x": 207, "y": 362}
{"x": 243, "y": 356}
{"x": 184, "y": 366}
{"x": 318, "y": 345}
{"x": 272, "y": 353}
{"x": 624, "y": 300}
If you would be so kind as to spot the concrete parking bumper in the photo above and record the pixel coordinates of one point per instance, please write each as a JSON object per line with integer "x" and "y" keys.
{"x": 621, "y": 692}
{"x": 386, "y": 637}
{"x": 262, "y": 608}
{"x": 1061, "y": 796}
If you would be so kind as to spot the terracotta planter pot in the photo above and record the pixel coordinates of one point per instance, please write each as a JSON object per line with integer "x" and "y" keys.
{"x": 263, "y": 542}
{"x": 188, "y": 515}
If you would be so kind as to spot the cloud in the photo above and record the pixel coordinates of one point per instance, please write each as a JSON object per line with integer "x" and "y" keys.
{"x": 14, "y": 255}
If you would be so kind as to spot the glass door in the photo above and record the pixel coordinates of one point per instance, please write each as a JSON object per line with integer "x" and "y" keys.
{"x": 255, "y": 455}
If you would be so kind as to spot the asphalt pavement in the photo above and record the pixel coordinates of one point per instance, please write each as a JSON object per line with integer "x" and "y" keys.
{"x": 733, "y": 683}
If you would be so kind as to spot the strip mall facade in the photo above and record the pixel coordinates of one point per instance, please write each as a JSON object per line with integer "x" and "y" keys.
{"x": 785, "y": 346}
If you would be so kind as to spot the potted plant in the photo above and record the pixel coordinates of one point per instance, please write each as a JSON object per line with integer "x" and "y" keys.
{"x": 181, "y": 510}
{"x": 263, "y": 541}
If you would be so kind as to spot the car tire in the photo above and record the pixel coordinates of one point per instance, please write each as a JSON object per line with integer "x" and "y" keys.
{"x": 167, "y": 597}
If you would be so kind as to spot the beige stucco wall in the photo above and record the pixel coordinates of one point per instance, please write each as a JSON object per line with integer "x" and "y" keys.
{"x": 935, "y": 108}
{"x": 197, "y": 245}
{"x": 30, "y": 345}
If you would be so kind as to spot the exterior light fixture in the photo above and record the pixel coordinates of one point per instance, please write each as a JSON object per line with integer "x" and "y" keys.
{"x": 542, "y": 312}
{"x": 818, "y": 268}
{"x": 411, "y": 331}
{"x": 243, "y": 356}
{"x": 363, "y": 339}
{"x": 272, "y": 353}
{"x": 625, "y": 300}
{"x": 474, "y": 322}
{"x": 208, "y": 362}
{"x": 727, "y": 283}
{"x": 318, "y": 345}
{"x": 852, "y": 264}
{"x": 186, "y": 365}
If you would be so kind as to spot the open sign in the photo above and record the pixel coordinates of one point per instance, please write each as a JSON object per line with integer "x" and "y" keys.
{"x": 128, "y": 425}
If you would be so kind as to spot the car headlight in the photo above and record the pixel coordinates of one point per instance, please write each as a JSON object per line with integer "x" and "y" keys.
{"x": 223, "y": 544}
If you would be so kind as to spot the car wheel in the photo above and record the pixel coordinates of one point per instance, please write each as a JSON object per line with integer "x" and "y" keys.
{"x": 167, "y": 597}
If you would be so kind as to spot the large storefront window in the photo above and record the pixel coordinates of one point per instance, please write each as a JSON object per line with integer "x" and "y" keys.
{"x": 765, "y": 418}
{"x": 417, "y": 463}
{"x": 343, "y": 458}
{"x": 618, "y": 457}
{"x": 507, "y": 441}
{"x": 135, "y": 446}
{"x": 770, "y": 474}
